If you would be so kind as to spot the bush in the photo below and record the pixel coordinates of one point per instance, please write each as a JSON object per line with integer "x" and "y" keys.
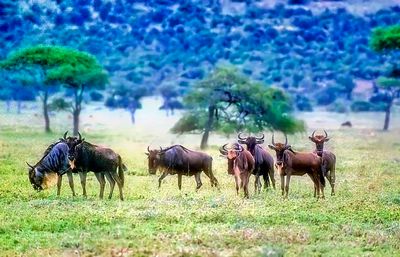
{"x": 96, "y": 96}
{"x": 303, "y": 104}
{"x": 338, "y": 106}
{"x": 360, "y": 106}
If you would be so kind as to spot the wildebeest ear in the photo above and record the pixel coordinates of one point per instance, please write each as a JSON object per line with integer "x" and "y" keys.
{"x": 311, "y": 138}
{"x": 327, "y": 139}
{"x": 272, "y": 147}
{"x": 147, "y": 154}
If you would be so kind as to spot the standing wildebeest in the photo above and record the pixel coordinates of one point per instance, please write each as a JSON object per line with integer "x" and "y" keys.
{"x": 240, "y": 164}
{"x": 54, "y": 160}
{"x": 102, "y": 161}
{"x": 179, "y": 160}
{"x": 328, "y": 158}
{"x": 289, "y": 162}
{"x": 264, "y": 163}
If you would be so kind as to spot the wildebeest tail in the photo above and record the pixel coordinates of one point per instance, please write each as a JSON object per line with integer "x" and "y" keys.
{"x": 121, "y": 169}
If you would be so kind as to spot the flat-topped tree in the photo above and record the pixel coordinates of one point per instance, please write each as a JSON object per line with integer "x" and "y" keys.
{"x": 227, "y": 101}
{"x": 385, "y": 40}
{"x": 61, "y": 65}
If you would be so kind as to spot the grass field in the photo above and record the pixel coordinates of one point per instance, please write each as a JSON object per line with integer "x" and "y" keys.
{"x": 363, "y": 219}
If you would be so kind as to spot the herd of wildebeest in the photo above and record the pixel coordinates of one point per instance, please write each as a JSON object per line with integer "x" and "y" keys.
{"x": 75, "y": 155}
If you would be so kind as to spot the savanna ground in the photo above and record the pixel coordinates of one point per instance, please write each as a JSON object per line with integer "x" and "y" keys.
{"x": 363, "y": 219}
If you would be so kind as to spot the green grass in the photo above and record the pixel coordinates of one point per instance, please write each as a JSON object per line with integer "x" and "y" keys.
{"x": 363, "y": 219}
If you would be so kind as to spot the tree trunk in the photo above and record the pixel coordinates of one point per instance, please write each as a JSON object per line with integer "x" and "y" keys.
{"x": 76, "y": 111}
{"x": 46, "y": 111}
{"x": 210, "y": 121}
{"x": 8, "y": 105}
{"x": 132, "y": 111}
{"x": 19, "y": 106}
{"x": 387, "y": 115}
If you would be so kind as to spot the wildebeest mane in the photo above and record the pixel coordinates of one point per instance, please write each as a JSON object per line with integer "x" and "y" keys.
{"x": 47, "y": 151}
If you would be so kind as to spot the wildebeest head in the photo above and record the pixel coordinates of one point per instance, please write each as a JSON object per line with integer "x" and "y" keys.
{"x": 72, "y": 142}
{"x": 319, "y": 141}
{"x": 35, "y": 177}
{"x": 250, "y": 141}
{"x": 153, "y": 159}
{"x": 232, "y": 152}
{"x": 279, "y": 149}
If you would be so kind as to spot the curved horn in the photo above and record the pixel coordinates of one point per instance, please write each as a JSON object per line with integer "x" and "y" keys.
{"x": 273, "y": 141}
{"x": 30, "y": 165}
{"x": 312, "y": 135}
{"x": 262, "y": 137}
{"x": 80, "y": 136}
{"x": 285, "y": 139}
{"x": 240, "y": 149}
{"x": 223, "y": 150}
{"x": 326, "y": 134}
{"x": 148, "y": 148}
{"x": 65, "y": 134}
{"x": 241, "y": 138}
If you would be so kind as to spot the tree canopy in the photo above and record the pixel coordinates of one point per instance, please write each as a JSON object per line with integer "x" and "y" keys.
{"x": 227, "y": 101}
{"x": 386, "y": 38}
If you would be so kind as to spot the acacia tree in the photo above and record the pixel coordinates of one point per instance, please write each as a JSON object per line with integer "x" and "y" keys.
{"x": 226, "y": 101}
{"x": 384, "y": 40}
{"x": 61, "y": 65}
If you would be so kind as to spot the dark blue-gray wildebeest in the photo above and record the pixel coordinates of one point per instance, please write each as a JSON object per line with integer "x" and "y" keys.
{"x": 179, "y": 160}
{"x": 54, "y": 161}
{"x": 240, "y": 165}
{"x": 290, "y": 163}
{"x": 264, "y": 162}
{"x": 103, "y": 161}
{"x": 328, "y": 158}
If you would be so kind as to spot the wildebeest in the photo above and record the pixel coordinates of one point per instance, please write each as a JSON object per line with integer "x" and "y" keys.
{"x": 264, "y": 163}
{"x": 54, "y": 161}
{"x": 177, "y": 159}
{"x": 289, "y": 162}
{"x": 103, "y": 161}
{"x": 240, "y": 164}
{"x": 328, "y": 158}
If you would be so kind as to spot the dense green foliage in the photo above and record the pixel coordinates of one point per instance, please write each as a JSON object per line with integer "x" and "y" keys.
{"x": 386, "y": 38}
{"x": 155, "y": 43}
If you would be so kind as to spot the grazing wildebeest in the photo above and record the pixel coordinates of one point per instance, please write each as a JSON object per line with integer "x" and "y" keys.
{"x": 240, "y": 164}
{"x": 102, "y": 161}
{"x": 328, "y": 158}
{"x": 54, "y": 160}
{"x": 179, "y": 160}
{"x": 289, "y": 162}
{"x": 264, "y": 163}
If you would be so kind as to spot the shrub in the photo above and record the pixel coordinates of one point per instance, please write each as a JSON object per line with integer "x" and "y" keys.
{"x": 96, "y": 96}
{"x": 338, "y": 106}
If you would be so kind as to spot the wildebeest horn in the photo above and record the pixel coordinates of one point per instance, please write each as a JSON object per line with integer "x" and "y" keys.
{"x": 312, "y": 135}
{"x": 29, "y": 165}
{"x": 223, "y": 150}
{"x": 148, "y": 148}
{"x": 326, "y": 134}
{"x": 261, "y": 138}
{"x": 285, "y": 139}
{"x": 240, "y": 149}
{"x": 273, "y": 141}
{"x": 80, "y": 136}
{"x": 65, "y": 134}
{"x": 241, "y": 138}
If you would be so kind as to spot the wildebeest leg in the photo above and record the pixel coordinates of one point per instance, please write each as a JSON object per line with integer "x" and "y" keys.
{"x": 71, "y": 182}
{"x": 245, "y": 180}
{"x": 272, "y": 177}
{"x": 100, "y": 178}
{"x": 165, "y": 173}
{"x": 237, "y": 183}
{"x": 266, "y": 181}
{"x": 314, "y": 183}
{"x": 59, "y": 182}
{"x": 287, "y": 185}
{"x": 119, "y": 183}
{"x": 198, "y": 180}
{"x": 283, "y": 185}
{"x": 180, "y": 181}
{"x": 111, "y": 181}
{"x": 333, "y": 179}
{"x": 256, "y": 184}
{"x": 82, "y": 176}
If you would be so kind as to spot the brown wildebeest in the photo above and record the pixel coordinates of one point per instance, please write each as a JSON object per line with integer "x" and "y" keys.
{"x": 264, "y": 163}
{"x": 103, "y": 161}
{"x": 328, "y": 158}
{"x": 289, "y": 162}
{"x": 240, "y": 164}
{"x": 179, "y": 160}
